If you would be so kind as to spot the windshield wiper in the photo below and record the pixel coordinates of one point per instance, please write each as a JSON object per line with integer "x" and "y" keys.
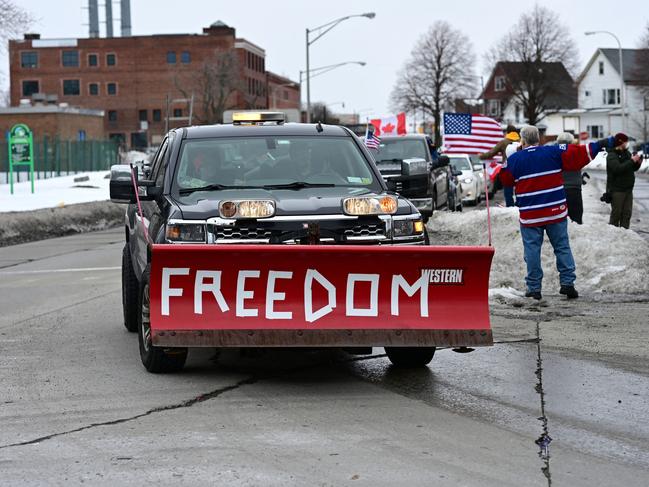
{"x": 213, "y": 187}
{"x": 298, "y": 185}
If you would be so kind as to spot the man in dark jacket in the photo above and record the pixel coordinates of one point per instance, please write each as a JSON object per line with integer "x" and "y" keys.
{"x": 620, "y": 179}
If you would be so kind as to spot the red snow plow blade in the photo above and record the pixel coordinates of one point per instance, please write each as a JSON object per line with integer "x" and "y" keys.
{"x": 319, "y": 296}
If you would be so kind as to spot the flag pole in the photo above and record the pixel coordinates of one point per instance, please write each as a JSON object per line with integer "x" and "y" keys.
{"x": 486, "y": 191}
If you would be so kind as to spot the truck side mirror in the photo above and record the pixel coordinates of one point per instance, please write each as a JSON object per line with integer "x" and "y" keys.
{"x": 121, "y": 185}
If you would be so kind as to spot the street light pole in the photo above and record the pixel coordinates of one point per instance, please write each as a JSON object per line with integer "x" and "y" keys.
{"x": 320, "y": 31}
{"x": 622, "y": 94}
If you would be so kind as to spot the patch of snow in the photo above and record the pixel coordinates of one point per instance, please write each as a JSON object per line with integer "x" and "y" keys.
{"x": 599, "y": 163}
{"x": 134, "y": 156}
{"x": 55, "y": 192}
{"x": 609, "y": 259}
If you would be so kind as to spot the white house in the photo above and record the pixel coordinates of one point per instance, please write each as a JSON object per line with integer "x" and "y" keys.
{"x": 599, "y": 99}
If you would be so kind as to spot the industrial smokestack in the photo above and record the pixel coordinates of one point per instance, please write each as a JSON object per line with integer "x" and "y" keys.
{"x": 125, "y": 14}
{"x": 109, "y": 18}
{"x": 93, "y": 13}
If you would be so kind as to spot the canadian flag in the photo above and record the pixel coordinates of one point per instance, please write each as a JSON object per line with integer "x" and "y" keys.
{"x": 393, "y": 125}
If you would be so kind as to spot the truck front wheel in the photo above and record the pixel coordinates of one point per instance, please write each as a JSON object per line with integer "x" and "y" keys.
{"x": 130, "y": 290}
{"x": 410, "y": 357}
{"x": 155, "y": 359}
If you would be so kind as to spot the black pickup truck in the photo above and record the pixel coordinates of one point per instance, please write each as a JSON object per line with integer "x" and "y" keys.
{"x": 408, "y": 167}
{"x": 263, "y": 182}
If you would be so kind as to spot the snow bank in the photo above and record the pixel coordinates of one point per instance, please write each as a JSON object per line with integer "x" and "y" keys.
{"x": 55, "y": 192}
{"x": 609, "y": 259}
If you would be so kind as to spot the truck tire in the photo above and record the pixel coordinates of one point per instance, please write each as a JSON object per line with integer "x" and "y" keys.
{"x": 410, "y": 357}
{"x": 155, "y": 359}
{"x": 130, "y": 291}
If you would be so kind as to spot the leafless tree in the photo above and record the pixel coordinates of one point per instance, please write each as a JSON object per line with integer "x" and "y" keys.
{"x": 217, "y": 87}
{"x": 538, "y": 37}
{"x": 439, "y": 70}
{"x": 13, "y": 21}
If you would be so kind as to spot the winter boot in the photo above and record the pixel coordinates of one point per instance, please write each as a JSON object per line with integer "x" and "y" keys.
{"x": 569, "y": 291}
{"x": 534, "y": 294}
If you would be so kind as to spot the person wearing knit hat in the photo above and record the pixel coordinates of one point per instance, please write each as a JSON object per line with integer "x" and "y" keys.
{"x": 620, "y": 179}
{"x": 511, "y": 136}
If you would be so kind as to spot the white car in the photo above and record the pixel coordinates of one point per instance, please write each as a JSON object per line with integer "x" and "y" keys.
{"x": 472, "y": 178}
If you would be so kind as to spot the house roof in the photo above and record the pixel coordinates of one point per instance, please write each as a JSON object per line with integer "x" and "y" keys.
{"x": 563, "y": 93}
{"x": 631, "y": 61}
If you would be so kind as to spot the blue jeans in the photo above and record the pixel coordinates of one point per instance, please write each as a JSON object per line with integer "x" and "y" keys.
{"x": 532, "y": 241}
{"x": 508, "y": 191}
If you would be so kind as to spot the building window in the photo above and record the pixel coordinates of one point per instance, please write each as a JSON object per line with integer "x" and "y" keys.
{"x": 143, "y": 115}
{"x": 93, "y": 89}
{"x": 595, "y": 131}
{"x": 29, "y": 59}
{"x": 178, "y": 112}
{"x": 111, "y": 88}
{"x": 111, "y": 60}
{"x": 112, "y": 115}
{"x": 157, "y": 115}
{"x": 586, "y": 93}
{"x": 30, "y": 87}
{"x": 71, "y": 87}
{"x": 70, "y": 58}
{"x": 171, "y": 57}
{"x": 185, "y": 57}
{"x": 93, "y": 60}
{"x": 494, "y": 108}
{"x": 611, "y": 97}
{"x": 117, "y": 138}
{"x": 601, "y": 67}
{"x": 499, "y": 83}
{"x": 285, "y": 94}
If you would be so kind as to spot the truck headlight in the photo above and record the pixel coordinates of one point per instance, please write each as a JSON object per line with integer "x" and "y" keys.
{"x": 185, "y": 232}
{"x": 370, "y": 205}
{"x": 406, "y": 228}
{"x": 247, "y": 209}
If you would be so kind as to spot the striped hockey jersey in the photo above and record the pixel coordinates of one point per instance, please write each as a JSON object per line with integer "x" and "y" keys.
{"x": 535, "y": 173}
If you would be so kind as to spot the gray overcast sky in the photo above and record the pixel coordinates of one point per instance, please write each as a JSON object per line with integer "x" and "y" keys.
{"x": 384, "y": 42}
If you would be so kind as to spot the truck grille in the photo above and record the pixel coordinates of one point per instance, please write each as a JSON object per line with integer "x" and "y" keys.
{"x": 242, "y": 233}
{"x": 368, "y": 230}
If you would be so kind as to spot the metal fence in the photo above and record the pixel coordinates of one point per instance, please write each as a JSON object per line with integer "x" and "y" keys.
{"x": 54, "y": 157}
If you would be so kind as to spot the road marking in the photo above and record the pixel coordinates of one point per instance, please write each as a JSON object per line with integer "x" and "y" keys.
{"x": 55, "y": 271}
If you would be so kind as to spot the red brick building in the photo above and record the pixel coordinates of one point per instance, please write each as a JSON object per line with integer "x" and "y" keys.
{"x": 132, "y": 78}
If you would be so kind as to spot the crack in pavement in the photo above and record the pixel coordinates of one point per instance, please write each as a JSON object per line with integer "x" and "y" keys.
{"x": 29, "y": 261}
{"x": 184, "y": 404}
{"x": 544, "y": 440}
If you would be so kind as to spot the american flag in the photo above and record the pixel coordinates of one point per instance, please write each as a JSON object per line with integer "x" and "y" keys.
{"x": 470, "y": 133}
{"x": 371, "y": 141}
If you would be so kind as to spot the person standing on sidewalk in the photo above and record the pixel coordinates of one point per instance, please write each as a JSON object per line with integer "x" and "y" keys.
{"x": 620, "y": 179}
{"x": 500, "y": 149}
{"x": 535, "y": 173}
{"x": 572, "y": 182}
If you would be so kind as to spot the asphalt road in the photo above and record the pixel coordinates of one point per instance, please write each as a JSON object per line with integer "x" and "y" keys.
{"x": 76, "y": 406}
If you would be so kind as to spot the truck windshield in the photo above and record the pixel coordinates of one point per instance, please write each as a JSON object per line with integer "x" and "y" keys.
{"x": 270, "y": 161}
{"x": 392, "y": 150}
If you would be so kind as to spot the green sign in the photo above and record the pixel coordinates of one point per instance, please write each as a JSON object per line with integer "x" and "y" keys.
{"x": 21, "y": 152}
